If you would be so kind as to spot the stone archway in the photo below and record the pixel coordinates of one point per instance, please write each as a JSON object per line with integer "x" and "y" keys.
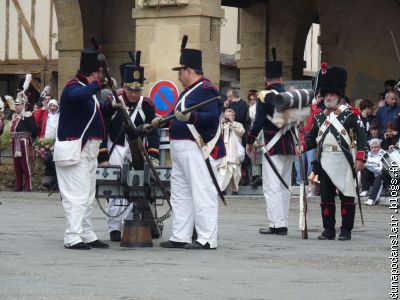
{"x": 111, "y": 23}
{"x": 283, "y": 25}
{"x": 70, "y": 38}
{"x": 288, "y": 24}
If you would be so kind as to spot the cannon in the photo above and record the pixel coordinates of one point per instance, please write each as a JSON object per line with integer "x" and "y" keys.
{"x": 140, "y": 188}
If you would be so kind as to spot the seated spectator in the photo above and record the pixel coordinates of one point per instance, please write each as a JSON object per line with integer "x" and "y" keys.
{"x": 373, "y": 131}
{"x": 366, "y": 108}
{"x": 371, "y": 175}
{"x": 229, "y": 170}
{"x": 390, "y": 137}
{"x": 46, "y": 119}
{"x": 388, "y": 113}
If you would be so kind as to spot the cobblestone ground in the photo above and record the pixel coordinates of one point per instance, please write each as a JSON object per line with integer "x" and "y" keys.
{"x": 247, "y": 265}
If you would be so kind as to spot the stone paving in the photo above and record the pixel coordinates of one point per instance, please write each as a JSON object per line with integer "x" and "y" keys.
{"x": 247, "y": 265}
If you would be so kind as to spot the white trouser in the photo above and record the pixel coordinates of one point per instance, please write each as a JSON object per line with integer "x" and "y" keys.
{"x": 77, "y": 184}
{"x": 194, "y": 198}
{"x": 117, "y": 205}
{"x": 276, "y": 195}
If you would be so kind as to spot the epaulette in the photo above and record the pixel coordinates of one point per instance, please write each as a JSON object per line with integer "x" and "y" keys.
{"x": 70, "y": 82}
{"x": 355, "y": 110}
{"x": 207, "y": 84}
{"x": 27, "y": 114}
{"x": 148, "y": 100}
{"x": 263, "y": 94}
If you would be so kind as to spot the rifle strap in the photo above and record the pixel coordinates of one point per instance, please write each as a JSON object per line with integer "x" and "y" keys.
{"x": 119, "y": 134}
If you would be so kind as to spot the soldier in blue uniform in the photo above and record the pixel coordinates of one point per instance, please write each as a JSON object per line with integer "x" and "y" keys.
{"x": 193, "y": 136}
{"x": 141, "y": 110}
{"x": 79, "y": 108}
{"x": 280, "y": 146}
{"x": 340, "y": 139}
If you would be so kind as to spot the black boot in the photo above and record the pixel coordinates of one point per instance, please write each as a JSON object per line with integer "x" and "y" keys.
{"x": 256, "y": 181}
{"x": 328, "y": 211}
{"x": 115, "y": 236}
{"x": 348, "y": 210}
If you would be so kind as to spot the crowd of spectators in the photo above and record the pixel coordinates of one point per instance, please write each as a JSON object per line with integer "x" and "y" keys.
{"x": 381, "y": 120}
{"x": 45, "y": 110}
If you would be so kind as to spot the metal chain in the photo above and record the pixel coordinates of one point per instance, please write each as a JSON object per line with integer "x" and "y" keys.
{"x": 159, "y": 220}
{"x": 107, "y": 214}
{"x": 164, "y": 217}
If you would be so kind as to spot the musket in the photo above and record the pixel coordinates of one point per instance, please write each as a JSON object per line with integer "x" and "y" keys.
{"x": 303, "y": 202}
{"x": 163, "y": 121}
{"x": 136, "y": 146}
{"x": 266, "y": 155}
{"x": 359, "y": 201}
{"x": 302, "y": 196}
{"x": 137, "y": 157}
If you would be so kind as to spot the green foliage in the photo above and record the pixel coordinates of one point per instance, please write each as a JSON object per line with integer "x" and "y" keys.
{"x": 5, "y": 137}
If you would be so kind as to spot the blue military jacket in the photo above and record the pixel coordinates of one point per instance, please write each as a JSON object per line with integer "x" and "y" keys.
{"x": 77, "y": 107}
{"x": 205, "y": 119}
{"x": 265, "y": 108}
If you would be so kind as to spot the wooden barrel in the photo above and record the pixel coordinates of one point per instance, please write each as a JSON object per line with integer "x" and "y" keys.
{"x": 136, "y": 234}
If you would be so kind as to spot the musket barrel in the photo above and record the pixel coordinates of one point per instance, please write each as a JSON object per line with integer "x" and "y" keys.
{"x": 190, "y": 109}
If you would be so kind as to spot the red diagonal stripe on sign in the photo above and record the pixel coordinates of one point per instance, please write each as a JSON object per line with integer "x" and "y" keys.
{"x": 165, "y": 100}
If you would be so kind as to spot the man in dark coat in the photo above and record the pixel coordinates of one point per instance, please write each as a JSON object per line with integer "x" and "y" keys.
{"x": 194, "y": 197}
{"x": 141, "y": 110}
{"x": 280, "y": 146}
{"x": 81, "y": 117}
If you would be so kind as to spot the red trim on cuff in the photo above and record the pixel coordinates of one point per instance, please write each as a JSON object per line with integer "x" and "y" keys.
{"x": 251, "y": 134}
{"x": 360, "y": 155}
{"x": 154, "y": 150}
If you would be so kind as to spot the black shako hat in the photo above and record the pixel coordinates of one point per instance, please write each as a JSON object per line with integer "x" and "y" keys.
{"x": 133, "y": 76}
{"x": 273, "y": 68}
{"x": 333, "y": 80}
{"x": 123, "y": 66}
{"x": 89, "y": 62}
{"x": 190, "y": 58}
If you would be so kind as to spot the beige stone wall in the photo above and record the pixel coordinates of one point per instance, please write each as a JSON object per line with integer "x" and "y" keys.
{"x": 253, "y": 45}
{"x": 159, "y": 32}
{"x": 70, "y": 39}
{"x": 111, "y": 23}
{"x": 357, "y": 36}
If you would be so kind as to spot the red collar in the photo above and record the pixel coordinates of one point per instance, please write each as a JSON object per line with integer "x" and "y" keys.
{"x": 81, "y": 78}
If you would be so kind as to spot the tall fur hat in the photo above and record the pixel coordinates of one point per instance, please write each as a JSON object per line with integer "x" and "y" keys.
{"x": 333, "y": 81}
